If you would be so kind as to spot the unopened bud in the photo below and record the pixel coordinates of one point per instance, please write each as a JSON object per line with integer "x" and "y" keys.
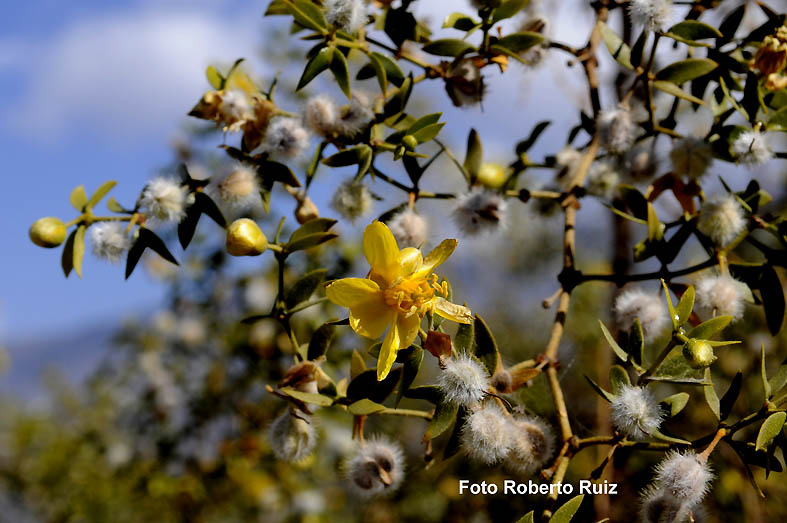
{"x": 48, "y": 232}
{"x": 698, "y": 353}
{"x": 244, "y": 238}
{"x": 410, "y": 142}
{"x": 306, "y": 210}
{"x": 492, "y": 175}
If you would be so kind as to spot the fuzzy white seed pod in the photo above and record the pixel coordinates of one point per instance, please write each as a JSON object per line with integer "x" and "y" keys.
{"x": 658, "y": 506}
{"x": 355, "y": 116}
{"x": 240, "y": 188}
{"x": 234, "y": 109}
{"x": 285, "y": 138}
{"x": 653, "y": 14}
{"x": 635, "y": 412}
{"x": 464, "y": 83}
{"x": 617, "y": 130}
{"x": 603, "y": 179}
{"x": 463, "y": 380}
{"x": 352, "y": 200}
{"x": 376, "y": 468}
{"x": 721, "y": 296}
{"x": 721, "y": 218}
{"x": 321, "y": 115}
{"x": 164, "y": 199}
{"x": 751, "y": 148}
{"x": 684, "y": 475}
{"x": 349, "y": 15}
{"x": 691, "y": 157}
{"x": 635, "y": 303}
{"x": 479, "y": 211}
{"x": 566, "y": 163}
{"x": 640, "y": 161}
{"x": 533, "y": 443}
{"x": 409, "y": 228}
{"x": 486, "y": 434}
{"x": 110, "y": 240}
{"x": 292, "y": 438}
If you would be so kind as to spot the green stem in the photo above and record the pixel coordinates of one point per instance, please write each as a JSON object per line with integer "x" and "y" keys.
{"x": 406, "y": 412}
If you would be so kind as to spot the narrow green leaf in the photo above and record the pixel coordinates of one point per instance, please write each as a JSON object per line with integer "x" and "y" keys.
{"x": 312, "y": 227}
{"x": 431, "y": 393}
{"x": 674, "y": 404}
{"x": 601, "y": 392}
{"x": 519, "y": 42}
{"x": 770, "y": 429}
{"x": 307, "y": 14}
{"x": 79, "y": 249}
{"x": 655, "y": 228}
{"x": 710, "y": 395}
{"x": 663, "y": 437}
{"x": 393, "y": 72}
{"x": 475, "y": 154}
{"x": 507, "y": 9}
{"x": 448, "y": 47}
{"x": 429, "y": 132}
{"x": 214, "y": 78}
{"x": 527, "y": 518}
{"x": 78, "y": 198}
{"x": 422, "y": 122}
{"x": 618, "y": 378}
{"x": 779, "y": 379}
{"x": 102, "y": 191}
{"x": 728, "y": 400}
{"x": 308, "y": 397}
{"x": 365, "y": 385}
{"x": 460, "y": 21}
{"x": 320, "y": 341}
{"x": 674, "y": 90}
{"x": 304, "y": 287}
{"x": 565, "y": 513}
{"x": 341, "y": 72}
{"x": 412, "y": 364}
{"x": 67, "y": 256}
{"x": 309, "y": 241}
{"x": 706, "y": 329}
{"x": 444, "y": 415}
{"x": 318, "y": 63}
{"x": 364, "y": 407}
{"x": 379, "y": 70}
{"x": 464, "y": 339}
{"x": 686, "y": 70}
{"x": 485, "y": 345}
{"x": 114, "y": 206}
{"x": 619, "y": 352}
{"x": 772, "y": 294}
{"x": 619, "y": 50}
{"x": 685, "y": 305}
{"x": 766, "y": 386}
{"x": 778, "y": 120}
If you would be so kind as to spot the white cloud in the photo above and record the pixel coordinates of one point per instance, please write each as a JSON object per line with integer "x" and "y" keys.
{"x": 127, "y": 75}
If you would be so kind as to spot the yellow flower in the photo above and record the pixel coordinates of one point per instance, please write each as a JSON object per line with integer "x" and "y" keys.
{"x": 399, "y": 289}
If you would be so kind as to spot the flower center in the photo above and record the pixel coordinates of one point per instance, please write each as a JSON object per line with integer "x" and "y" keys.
{"x": 409, "y": 295}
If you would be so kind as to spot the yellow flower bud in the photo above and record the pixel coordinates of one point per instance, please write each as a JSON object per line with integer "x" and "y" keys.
{"x": 48, "y": 232}
{"x": 492, "y": 175}
{"x": 306, "y": 210}
{"x": 244, "y": 238}
{"x": 410, "y": 142}
{"x": 698, "y": 353}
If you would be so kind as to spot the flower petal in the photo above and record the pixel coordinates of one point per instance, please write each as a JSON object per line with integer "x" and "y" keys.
{"x": 381, "y": 250}
{"x": 438, "y": 255}
{"x": 370, "y": 318}
{"x": 410, "y": 260}
{"x": 408, "y": 329}
{"x": 452, "y": 311}
{"x": 349, "y": 292}
{"x": 391, "y": 344}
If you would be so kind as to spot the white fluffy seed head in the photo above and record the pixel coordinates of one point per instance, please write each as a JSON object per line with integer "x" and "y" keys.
{"x": 533, "y": 443}
{"x": 292, "y": 438}
{"x": 409, "y": 228}
{"x": 486, "y": 434}
{"x": 355, "y": 116}
{"x": 240, "y": 187}
{"x": 164, "y": 199}
{"x": 566, "y": 162}
{"x": 234, "y": 109}
{"x": 349, "y": 15}
{"x": 285, "y": 138}
{"x": 684, "y": 475}
{"x": 617, "y": 130}
{"x": 635, "y": 412}
{"x": 653, "y": 14}
{"x": 479, "y": 211}
{"x": 376, "y": 468}
{"x": 464, "y": 83}
{"x": 635, "y": 303}
{"x": 751, "y": 148}
{"x": 721, "y": 296}
{"x": 721, "y": 218}
{"x": 321, "y": 115}
{"x": 109, "y": 240}
{"x": 463, "y": 380}
{"x": 352, "y": 200}
{"x": 658, "y": 506}
{"x": 603, "y": 179}
{"x": 691, "y": 157}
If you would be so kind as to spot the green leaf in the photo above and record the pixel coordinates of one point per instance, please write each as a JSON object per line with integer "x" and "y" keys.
{"x": 427, "y": 133}
{"x": 766, "y": 386}
{"x": 422, "y": 122}
{"x": 379, "y": 69}
{"x": 312, "y": 227}
{"x": 525, "y": 145}
{"x": 618, "y": 378}
{"x": 308, "y": 397}
{"x": 67, "y": 256}
{"x": 663, "y": 437}
{"x": 685, "y": 306}
{"x": 475, "y": 154}
{"x": 146, "y": 239}
{"x": 341, "y": 72}
{"x": 619, "y": 352}
{"x": 710, "y": 395}
{"x": 102, "y": 191}
{"x": 601, "y": 392}
{"x": 619, "y": 50}
{"x": 464, "y": 338}
{"x": 706, "y": 329}
{"x": 365, "y": 385}
{"x": 414, "y": 356}
{"x": 728, "y": 400}
{"x": 393, "y": 72}
{"x": 318, "y": 63}
{"x": 519, "y": 42}
{"x": 114, "y": 206}
{"x": 778, "y": 120}
{"x": 203, "y": 204}
{"x": 770, "y": 429}
{"x": 670, "y": 88}
{"x": 689, "y": 31}
{"x": 565, "y": 513}
{"x": 779, "y": 379}
{"x": 307, "y": 14}
{"x": 507, "y": 9}
{"x": 639, "y": 47}
{"x": 79, "y": 249}
{"x": 444, "y": 415}
{"x": 686, "y": 70}
{"x": 454, "y": 443}
{"x": 448, "y": 47}
{"x": 320, "y": 341}
{"x": 304, "y": 287}
{"x": 635, "y": 344}
{"x": 214, "y": 78}
{"x": 655, "y": 228}
{"x": 309, "y": 241}
{"x": 730, "y": 24}
{"x": 485, "y": 345}
{"x": 430, "y": 393}
{"x": 527, "y": 518}
{"x": 78, "y": 198}
{"x": 460, "y": 21}
{"x": 364, "y": 407}
{"x": 675, "y": 403}
{"x": 772, "y": 294}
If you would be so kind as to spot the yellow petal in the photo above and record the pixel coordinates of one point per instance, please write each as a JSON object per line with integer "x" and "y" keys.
{"x": 410, "y": 260}
{"x": 391, "y": 344}
{"x": 408, "y": 329}
{"x": 438, "y": 255}
{"x": 452, "y": 311}
{"x": 381, "y": 250}
{"x": 349, "y": 292}
{"x": 370, "y": 318}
